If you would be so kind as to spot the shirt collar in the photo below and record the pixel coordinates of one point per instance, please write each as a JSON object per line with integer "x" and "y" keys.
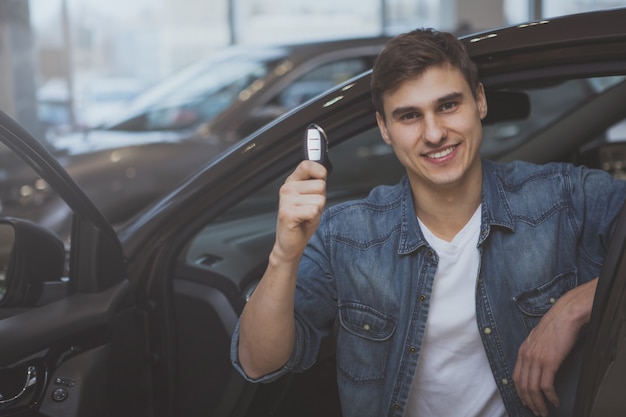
{"x": 495, "y": 211}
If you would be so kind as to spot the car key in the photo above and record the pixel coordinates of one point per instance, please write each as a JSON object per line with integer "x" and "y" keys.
{"x": 315, "y": 146}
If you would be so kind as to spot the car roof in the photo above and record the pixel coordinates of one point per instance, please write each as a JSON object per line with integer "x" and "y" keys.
{"x": 573, "y": 28}
{"x": 317, "y": 46}
{"x": 562, "y": 39}
{"x": 296, "y": 50}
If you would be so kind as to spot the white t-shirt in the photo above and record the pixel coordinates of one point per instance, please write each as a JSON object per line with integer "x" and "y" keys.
{"x": 453, "y": 376}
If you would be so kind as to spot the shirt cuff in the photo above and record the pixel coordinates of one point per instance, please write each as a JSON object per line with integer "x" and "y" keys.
{"x": 272, "y": 376}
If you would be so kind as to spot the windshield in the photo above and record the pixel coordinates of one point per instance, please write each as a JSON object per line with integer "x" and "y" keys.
{"x": 196, "y": 94}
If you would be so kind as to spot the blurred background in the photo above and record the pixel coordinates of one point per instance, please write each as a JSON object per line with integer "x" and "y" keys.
{"x": 68, "y": 65}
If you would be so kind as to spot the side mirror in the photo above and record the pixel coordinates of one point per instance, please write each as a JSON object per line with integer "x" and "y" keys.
{"x": 30, "y": 256}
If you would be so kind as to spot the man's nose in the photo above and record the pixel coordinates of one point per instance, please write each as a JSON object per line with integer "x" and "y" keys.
{"x": 434, "y": 131}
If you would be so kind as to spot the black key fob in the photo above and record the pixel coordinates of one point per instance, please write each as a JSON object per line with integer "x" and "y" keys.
{"x": 315, "y": 146}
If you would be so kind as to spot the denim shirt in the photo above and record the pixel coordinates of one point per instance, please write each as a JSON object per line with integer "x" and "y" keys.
{"x": 367, "y": 275}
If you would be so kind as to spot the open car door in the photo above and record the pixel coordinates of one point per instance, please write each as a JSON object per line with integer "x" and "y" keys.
{"x": 72, "y": 339}
{"x": 601, "y": 385}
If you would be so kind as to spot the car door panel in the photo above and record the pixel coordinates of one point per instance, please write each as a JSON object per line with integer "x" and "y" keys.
{"x": 208, "y": 383}
{"x": 610, "y": 397}
{"x": 76, "y": 386}
{"x": 216, "y": 273}
{"x": 600, "y": 388}
{"x": 71, "y": 345}
{"x": 78, "y": 347}
{"x": 39, "y": 328}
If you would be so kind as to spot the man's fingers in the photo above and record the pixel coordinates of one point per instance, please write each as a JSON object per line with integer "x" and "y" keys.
{"x": 534, "y": 394}
{"x": 298, "y": 190}
{"x": 308, "y": 170}
{"x": 303, "y": 209}
{"x": 547, "y": 386}
{"x": 301, "y": 203}
{"x": 524, "y": 375}
{"x": 534, "y": 381}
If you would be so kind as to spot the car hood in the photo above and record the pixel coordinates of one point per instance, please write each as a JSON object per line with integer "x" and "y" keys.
{"x": 100, "y": 140}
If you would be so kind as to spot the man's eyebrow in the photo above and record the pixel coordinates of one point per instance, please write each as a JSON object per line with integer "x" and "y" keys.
{"x": 450, "y": 97}
{"x": 456, "y": 95}
{"x": 398, "y": 111}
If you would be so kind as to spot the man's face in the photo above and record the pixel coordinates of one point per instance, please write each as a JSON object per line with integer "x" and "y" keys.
{"x": 433, "y": 123}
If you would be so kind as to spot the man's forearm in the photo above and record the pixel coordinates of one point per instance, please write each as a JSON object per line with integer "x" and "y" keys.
{"x": 267, "y": 327}
{"x": 547, "y": 345}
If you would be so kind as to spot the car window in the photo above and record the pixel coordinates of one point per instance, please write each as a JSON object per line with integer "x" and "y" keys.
{"x": 24, "y": 194}
{"x": 319, "y": 80}
{"x": 194, "y": 95}
{"x": 359, "y": 164}
{"x": 609, "y": 151}
{"x": 548, "y": 103}
{"x": 365, "y": 160}
{"x": 312, "y": 83}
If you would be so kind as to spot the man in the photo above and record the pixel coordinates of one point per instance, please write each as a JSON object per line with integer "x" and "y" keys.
{"x": 463, "y": 289}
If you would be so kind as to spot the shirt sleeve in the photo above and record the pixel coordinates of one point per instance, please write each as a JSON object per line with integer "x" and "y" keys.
{"x": 599, "y": 201}
{"x": 315, "y": 310}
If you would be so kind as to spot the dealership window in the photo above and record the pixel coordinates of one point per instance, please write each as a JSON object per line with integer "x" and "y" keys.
{"x": 79, "y": 43}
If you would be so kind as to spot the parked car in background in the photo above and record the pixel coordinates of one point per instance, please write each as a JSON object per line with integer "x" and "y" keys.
{"x": 177, "y": 126}
{"x": 241, "y": 88}
{"x": 138, "y": 321}
{"x": 95, "y": 100}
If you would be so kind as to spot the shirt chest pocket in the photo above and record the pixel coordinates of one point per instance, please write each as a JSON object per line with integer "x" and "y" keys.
{"x": 363, "y": 342}
{"x": 534, "y": 303}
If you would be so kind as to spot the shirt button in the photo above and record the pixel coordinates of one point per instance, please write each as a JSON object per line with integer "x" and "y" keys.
{"x": 422, "y": 297}
{"x": 505, "y": 381}
{"x": 487, "y": 331}
{"x": 366, "y": 327}
{"x": 429, "y": 254}
{"x": 552, "y": 300}
{"x": 412, "y": 349}
{"x": 396, "y": 406}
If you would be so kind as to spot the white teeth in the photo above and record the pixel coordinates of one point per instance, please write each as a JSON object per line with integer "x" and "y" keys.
{"x": 441, "y": 154}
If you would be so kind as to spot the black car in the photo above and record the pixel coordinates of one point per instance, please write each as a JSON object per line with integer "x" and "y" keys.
{"x": 178, "y": 125}
{"x": 138, "y": 322}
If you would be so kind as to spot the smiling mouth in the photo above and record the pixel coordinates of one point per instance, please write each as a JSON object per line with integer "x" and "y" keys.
{"x": 443, "y": 153}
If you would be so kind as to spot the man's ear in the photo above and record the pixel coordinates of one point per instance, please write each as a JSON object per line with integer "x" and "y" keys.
{"x": 382, "y": 126}
{"x": 481, "y": 101}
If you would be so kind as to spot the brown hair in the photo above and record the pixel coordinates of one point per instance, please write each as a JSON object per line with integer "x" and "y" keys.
{"x": 408, "y": 55}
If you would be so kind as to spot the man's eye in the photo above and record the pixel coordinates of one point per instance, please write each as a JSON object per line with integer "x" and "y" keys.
{"x": 409, "y": 116}
{"x": 451, "y": 105}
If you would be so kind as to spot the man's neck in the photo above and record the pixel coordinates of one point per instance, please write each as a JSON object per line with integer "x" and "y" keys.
{"x": 446, "y": 211}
